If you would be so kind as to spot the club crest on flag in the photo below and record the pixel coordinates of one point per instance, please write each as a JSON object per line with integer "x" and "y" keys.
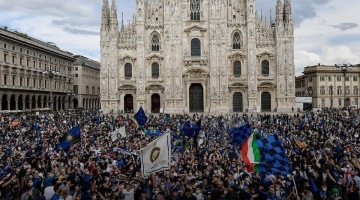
{"x": 69, "y": 137}
{"x": 155, "y": 152}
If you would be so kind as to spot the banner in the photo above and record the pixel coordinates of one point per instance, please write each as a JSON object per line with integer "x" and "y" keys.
{"x": 156, "y": 156}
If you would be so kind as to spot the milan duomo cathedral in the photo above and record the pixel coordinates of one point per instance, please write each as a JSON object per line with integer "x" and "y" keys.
{"x": 197, "y": 56}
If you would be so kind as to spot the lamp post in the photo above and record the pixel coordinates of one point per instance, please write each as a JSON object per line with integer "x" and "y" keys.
{"x": 344, "y": 68}
{"x": 331, "y": 90}
{"x": 310, "y": 92}
{"x": 70, "y": 94}
{"x": 51, "y": 73}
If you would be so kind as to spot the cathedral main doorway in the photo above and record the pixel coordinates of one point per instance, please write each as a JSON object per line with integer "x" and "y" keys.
{"x": 265, "y": 101}
{"x": 128, "y": 103}
{"x": 196, "y": 98}
{"x": 237, "y": 102}
{"x": 155, "y": 103}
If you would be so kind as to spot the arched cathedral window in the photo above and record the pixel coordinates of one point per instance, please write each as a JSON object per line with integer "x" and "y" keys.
{"x": 237, "y": 68}
{"x": 128, "y": 70}
{"x": 155, "y": 70}
{"x": 236, "y": 41}
{"x": 195, "y": 47}
{"x": 195, "y": 10}
{"x": 265, "y": 67}
{"x": 155, "y": 43}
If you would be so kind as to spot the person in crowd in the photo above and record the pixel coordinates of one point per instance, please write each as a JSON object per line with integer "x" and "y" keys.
{"x": 323, "y": 148}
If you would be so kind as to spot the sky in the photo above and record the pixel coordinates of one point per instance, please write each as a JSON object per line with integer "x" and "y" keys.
{"x": 326, "y": 31}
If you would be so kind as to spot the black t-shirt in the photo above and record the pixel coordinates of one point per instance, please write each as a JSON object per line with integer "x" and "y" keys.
{"x": 192, "y": 197}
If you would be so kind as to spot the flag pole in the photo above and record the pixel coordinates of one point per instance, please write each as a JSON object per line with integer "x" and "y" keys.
{"x": 296, "y": 191}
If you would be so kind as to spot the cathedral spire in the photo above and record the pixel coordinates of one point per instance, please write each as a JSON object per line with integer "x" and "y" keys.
{"x": 287, "y": 12}
{"x": 105, "y": 21}
{"x": 113, "y": 16}
{"x": 122, "y": 21}
{"x": 279, "y": 12}
{"x": 105, "y": 13}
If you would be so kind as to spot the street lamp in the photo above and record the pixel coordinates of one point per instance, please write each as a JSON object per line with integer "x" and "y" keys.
{"x": 310, "y": 92}
{"x": 51, "y": 73}
{"x": 331, "y": 90}
{"x": 344, "y": 68}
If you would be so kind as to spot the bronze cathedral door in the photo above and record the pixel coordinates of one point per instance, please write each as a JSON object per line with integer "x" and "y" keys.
{"x": 196, "y": 98}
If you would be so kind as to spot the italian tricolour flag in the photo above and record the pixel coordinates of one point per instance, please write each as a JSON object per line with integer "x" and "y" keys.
{"x": 134, "y": 122}
{"x": 250, "y": 151}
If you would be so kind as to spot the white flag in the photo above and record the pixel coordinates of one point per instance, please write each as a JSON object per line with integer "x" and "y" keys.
{"x": 118, "y": 133}
{"x": 156, "y": 156}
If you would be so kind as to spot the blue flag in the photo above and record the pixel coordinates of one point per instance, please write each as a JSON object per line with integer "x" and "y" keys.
{"x": 187, "y": 130}
{"x": 273, "y": 157}
{"x": 240, "y": 134}
{"x": 140, "y": 117}
{"x": 197, "y": 127}
{"x": 155, "y": 132}
{"x": 313, "y": 186}
{"x": 66, "y": 141}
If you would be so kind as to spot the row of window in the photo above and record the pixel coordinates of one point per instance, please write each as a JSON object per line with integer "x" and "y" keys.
{"x": 35, "y": 82}
{"x": 35, "y": 64}
{"x": 155, "y": 71}
{"x": 338, "y": 78}
{"x": 196, "y": 43}
{"x": 38, "y": 55}
{"x": 76, "y": 90}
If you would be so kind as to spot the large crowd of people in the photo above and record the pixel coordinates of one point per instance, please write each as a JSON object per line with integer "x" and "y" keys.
{"x": 323, "y": 148}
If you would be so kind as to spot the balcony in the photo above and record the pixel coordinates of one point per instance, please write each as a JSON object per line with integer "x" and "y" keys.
{"x": 239, "y": 78}
{"x": 264, "y": 77}
{"x": 155, "y": 79}
{"x": 128, "y": 80}
{"x": 195, "y": 60}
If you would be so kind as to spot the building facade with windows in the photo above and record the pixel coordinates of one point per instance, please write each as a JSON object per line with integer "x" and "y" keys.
{"x": 23, "y": 85}
{"x": 319, "y": 78}
{"x": 86, "y": 87}
{"x": 197, "y": 56}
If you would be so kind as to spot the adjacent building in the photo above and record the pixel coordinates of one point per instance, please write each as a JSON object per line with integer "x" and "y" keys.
{"x": 86, "y": 87}
{"x": 318, "y": 80}
{"x": 197, "y": 56}
{"x": 23, "y": 83}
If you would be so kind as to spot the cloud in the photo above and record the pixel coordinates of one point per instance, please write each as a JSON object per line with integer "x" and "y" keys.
{"x": 345, "y": 26}
{"x": 329, "y": 55}
{"x": 80, "y": 31}
{"x": 91, "y": 21}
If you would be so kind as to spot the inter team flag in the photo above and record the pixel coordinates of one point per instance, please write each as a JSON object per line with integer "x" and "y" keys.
{"x": 140, "y": 117}
{"x": 118, "y": 133}
{"x": 156, "y": 156}
{"x": 240, "y": 134}
{"x": 71, "y": 138}
{"x": 266, "y": 154}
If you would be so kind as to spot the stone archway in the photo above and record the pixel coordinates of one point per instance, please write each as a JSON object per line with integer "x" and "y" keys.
{"x": 196, "y": 97}
{"x": 20, "y": 102}
{"x": 27, "y": 102}
{"x": 128, "y": 103}
{"x": 13, "y": 102}
{"x": 4, "y": 102}
{"x": 155, "y": 103}
{"x": 238, "y": 102}
{"x": 265, "y": 101}
{"x": 39, "y": 102}
{"x": 75, "y": 103}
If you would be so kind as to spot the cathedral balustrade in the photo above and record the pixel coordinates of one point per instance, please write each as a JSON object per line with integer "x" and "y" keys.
{"x": 155, "y": 79}
{"x": 237, "y": 78}
{"x": 195, "y": 60}
{"x": 266, "y": 76}
{"x": 128, "y": 79}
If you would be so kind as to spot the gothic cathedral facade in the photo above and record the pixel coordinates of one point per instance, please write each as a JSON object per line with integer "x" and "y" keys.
{"x": 197, "y": 56}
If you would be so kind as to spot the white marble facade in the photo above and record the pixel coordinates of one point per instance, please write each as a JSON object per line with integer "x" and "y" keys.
{"x": 216, "y": 56}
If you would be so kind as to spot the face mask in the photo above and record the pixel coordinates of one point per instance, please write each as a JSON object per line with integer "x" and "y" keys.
{"x": 198, "y": 191}
{"x": 162, "y": 187}
{"x": 156, "y": 192}
{"x": 324, "y": 188}
{"x": 131, "y": 168}
{"x": 247, "y": 179}
{"x": 122, "y": 186}
{"x": 94, "y": 197}
{"x": 231, "y": 183}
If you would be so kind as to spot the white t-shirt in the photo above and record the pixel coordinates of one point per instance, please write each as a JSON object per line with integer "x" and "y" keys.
{"x": 67, "y": 198}
{"x": 129, "y": 195}
{"x": 49, "y": 192}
